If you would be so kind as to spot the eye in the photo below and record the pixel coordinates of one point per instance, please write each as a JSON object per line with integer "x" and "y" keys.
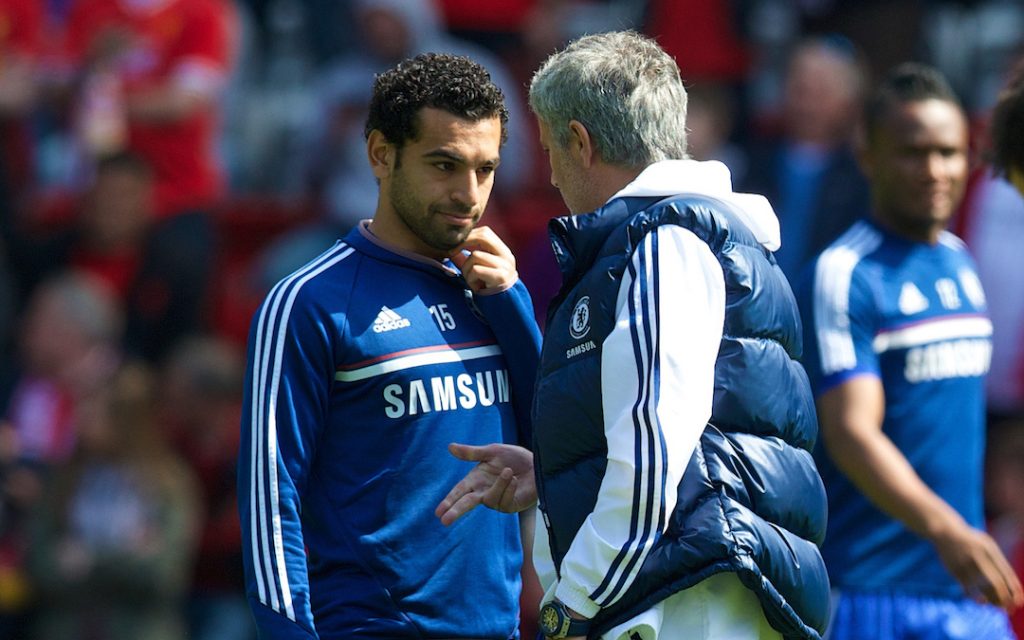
{"x": 486, "y": 170}
{"x": 445, "y": 165}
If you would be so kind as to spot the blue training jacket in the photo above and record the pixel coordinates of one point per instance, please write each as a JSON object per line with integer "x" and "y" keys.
{"x": 363, "y": 366}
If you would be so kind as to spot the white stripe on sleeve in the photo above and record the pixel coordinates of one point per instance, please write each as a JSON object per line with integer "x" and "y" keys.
{"x": 657, "y": 379}
{"x": 833, "y": 274}
{"x": 267, "y": 543}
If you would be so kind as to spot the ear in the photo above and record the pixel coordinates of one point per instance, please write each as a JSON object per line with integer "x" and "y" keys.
{"x": 581, "y": 145}
{"x": 380, "y": 153}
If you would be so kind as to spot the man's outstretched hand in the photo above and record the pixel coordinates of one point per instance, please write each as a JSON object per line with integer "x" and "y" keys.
{"x": 503, "y": 480}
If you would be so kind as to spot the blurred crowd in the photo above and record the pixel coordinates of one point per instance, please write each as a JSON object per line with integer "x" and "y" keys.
{"x": 164, "y": 162}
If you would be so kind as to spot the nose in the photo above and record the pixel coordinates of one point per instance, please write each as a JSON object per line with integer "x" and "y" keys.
{"x": 934, "y": 166}
{"x": 467, "y": 191}
{"x": 554, "y": 181}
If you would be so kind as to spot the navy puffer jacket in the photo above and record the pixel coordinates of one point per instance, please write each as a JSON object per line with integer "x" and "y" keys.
{"x": 751, "y": 500}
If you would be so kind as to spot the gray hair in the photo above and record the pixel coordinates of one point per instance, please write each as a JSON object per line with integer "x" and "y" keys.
{"x": 624, "y": 89}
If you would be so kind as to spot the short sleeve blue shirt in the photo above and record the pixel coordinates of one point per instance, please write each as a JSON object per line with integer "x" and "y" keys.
{"x": 913, "y": 315}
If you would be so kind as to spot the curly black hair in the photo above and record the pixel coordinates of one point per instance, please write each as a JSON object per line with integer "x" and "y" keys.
{"x": 1007, "y": 129}
{"x": 452, "y": 83}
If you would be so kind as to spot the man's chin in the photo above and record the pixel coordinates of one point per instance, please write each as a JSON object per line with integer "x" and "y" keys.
{"x": 451, "y": 242}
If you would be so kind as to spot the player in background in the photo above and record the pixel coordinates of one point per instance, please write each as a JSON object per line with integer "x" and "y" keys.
{"x": 897, "y": 345}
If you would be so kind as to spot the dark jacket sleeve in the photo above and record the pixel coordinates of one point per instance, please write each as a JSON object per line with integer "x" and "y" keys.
{"x": 510, "y": 314}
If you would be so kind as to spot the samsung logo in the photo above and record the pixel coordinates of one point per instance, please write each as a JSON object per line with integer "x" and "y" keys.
{"x": 580, "y": 349}
{"x": 955, "y": 359}
{"x": 446, "y": 393}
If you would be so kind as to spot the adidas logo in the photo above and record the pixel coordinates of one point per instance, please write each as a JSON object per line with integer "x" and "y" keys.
{"x": 388, "y": 320}
{"x": 911, "y": 300}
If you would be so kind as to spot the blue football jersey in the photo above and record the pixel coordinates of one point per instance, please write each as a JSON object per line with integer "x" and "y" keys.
{"x": 363, "y": 366}
{"x": 912, "y": 314}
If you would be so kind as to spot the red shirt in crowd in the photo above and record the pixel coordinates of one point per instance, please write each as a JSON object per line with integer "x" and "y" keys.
{"x": 473, "y": 15}
{"x": 21, "y": 27}
{"x": 702, "y": 37}
{"x": 186, "y": 42}
{"x": 21, "y": 41}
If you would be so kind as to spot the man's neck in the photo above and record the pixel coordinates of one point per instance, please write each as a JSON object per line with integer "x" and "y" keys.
{"x": 924, "y": 233}
{"x": 610, "y": 179}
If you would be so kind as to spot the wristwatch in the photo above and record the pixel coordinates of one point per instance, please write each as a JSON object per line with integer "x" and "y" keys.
{"x": 556, "y": 623}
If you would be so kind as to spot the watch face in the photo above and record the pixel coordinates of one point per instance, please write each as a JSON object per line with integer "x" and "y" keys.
{"x": 550, "y": 620}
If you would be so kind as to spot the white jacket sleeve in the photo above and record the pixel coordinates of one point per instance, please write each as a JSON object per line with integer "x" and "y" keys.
{"x": 657, "y": 383}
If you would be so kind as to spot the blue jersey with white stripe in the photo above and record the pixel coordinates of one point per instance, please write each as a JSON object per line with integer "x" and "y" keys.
{"x": 363, "y": 366}
{"x": 913, "y": 315}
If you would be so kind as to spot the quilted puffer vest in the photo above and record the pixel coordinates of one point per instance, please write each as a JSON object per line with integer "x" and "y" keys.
{"x": 751, "y": 500}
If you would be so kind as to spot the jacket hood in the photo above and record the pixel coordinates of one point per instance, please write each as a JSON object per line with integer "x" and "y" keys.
{"x": 711, "y": 179}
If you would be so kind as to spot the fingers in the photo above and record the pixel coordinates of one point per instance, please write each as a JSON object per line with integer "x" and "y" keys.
{"x": 459, "y": 258}
{"x": 468, "y": 452}
{"x": 451, "y": 509}
{"x": 464, "y": 497}
{"x": 484, "y": 239}
{"x": 1005, "y": 589}
{"x": 487, "y": 271}
{"x": 492, "y": 482}
{"x": 480, "y": 272}
{"x": 992, "y": 579}
{"x": 501, "y": 495}
{"x": 489, "y": 264}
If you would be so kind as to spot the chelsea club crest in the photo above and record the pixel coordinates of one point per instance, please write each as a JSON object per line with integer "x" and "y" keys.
{"x": 579, "y": 324}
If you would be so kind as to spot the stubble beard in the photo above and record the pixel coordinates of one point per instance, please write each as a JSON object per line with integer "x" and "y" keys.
{"x": 424, "y": 220}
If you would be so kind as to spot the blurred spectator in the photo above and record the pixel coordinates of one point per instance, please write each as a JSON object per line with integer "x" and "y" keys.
{"x": 495, "y": 25}
{"x": 200, "y": 409}
{"x": 393, "y": 30}
{"x": 150, "y": 75}
{"x": 508, "y": 26}
{"x": 269, "y": 99}
{"x": 1007, "y": 131}
{"x": 112, "y": 239}
{"x": 888, "y": 31}
{"x": 319, "y": 24}
{"x": 113, "y": 538}
{"x": 809, "y": 172}
{"x": 1004, "y": 471}
{"x": 69, "y": 342}
{"x": 972, "y": 42}
{"x": 106, "y": 236}
{"x": 992, "y": 223}
{"x": 710, "y": 113}
{"x": 69, "y": 337}
{"x": 704, "y": 36}
{"x": 21, "y": 29}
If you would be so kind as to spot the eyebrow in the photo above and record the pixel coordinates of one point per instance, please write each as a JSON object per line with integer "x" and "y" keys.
{"x": 454, "y": 157}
